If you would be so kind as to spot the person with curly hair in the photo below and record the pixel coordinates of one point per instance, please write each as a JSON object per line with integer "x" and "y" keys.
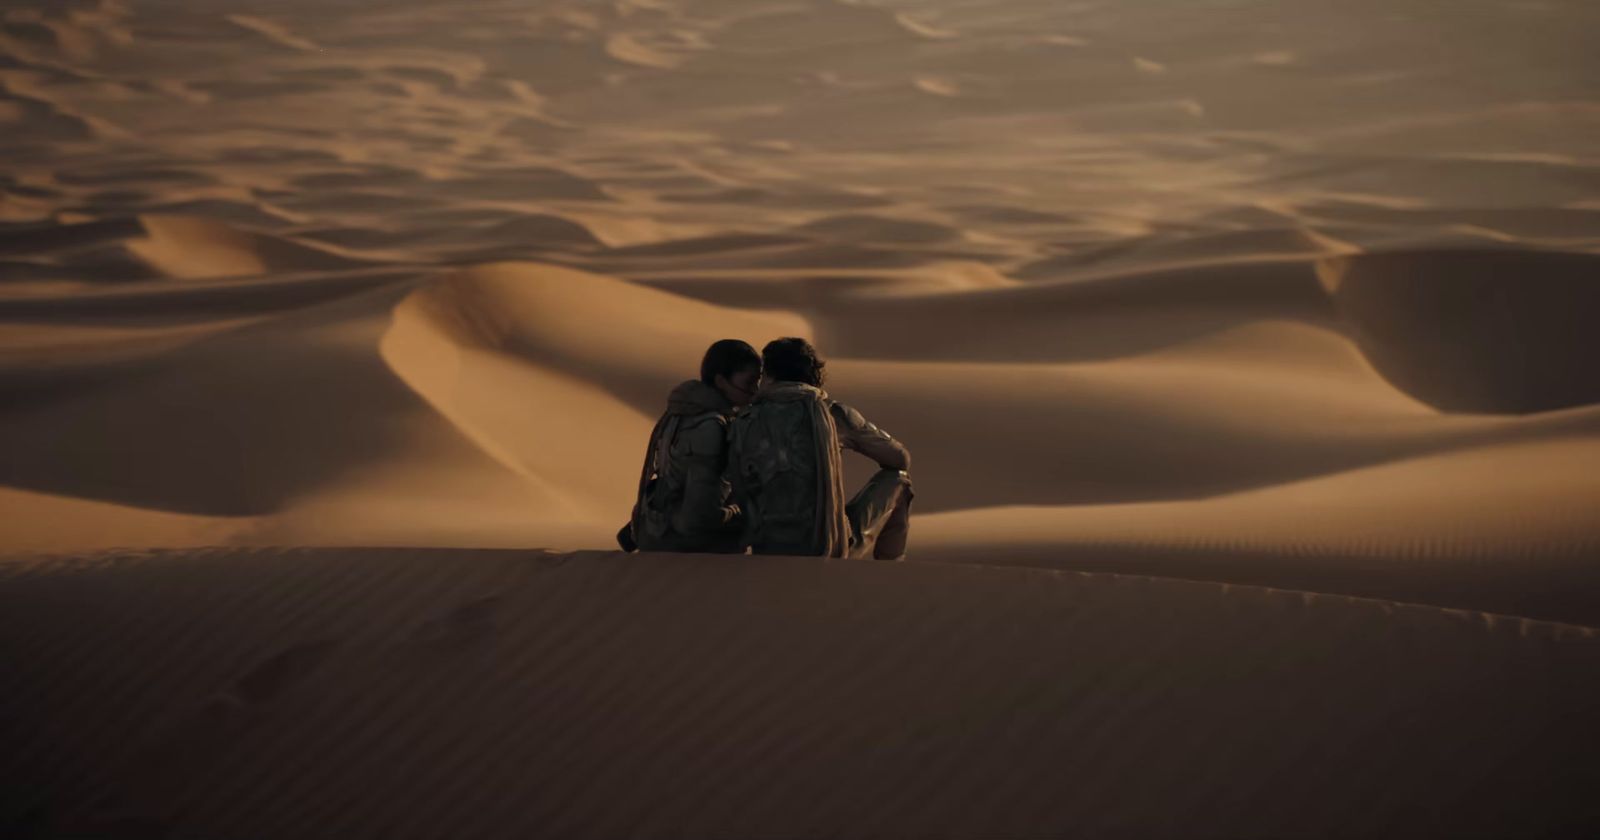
{"x": 785, "y": 471}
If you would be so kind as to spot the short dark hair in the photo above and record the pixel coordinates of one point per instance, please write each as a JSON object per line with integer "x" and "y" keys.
{"x": 726, "y": 358}
{"x": 794, "y": 360}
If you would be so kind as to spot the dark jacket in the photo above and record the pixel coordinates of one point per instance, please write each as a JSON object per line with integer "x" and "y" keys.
{"x": 784, "y": 455}
{"x": 682, "y": 503}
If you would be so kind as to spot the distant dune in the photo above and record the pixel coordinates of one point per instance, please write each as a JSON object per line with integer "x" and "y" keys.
{"x": 1482, "y": 331}
{"x": 323, "y": 318}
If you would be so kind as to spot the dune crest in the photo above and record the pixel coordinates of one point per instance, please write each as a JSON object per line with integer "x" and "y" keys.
{"x": 275, "y": 32}
{"x": 534, "y": 363}
{"x": 189, "y": 248}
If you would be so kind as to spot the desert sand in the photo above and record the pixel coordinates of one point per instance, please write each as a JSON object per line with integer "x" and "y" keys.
{"x": 501, "y": 693}
{"x": 1246, "y": 352}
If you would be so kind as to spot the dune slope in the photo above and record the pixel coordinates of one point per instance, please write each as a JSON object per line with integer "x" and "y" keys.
{"x": 423, "y": 693}
{"x": 320, "y": 322}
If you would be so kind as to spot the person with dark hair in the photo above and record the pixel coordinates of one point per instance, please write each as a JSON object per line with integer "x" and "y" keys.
{"x": 784, "y": 467}
{"x": 682, "y": 503}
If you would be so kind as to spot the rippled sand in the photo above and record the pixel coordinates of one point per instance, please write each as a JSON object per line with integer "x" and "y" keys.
{"x": 1272, "y": 294}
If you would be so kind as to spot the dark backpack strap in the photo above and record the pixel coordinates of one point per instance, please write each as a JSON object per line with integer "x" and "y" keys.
{"x": 648, "y": 470}
{"x": 663, "y": 453}
{"x": 655, "y": 459}
{"x": 741, "y": 481}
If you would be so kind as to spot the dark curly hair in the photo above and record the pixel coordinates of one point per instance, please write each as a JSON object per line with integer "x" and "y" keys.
{"x": 794, "y": 360}
{"x": 726, "y": 358}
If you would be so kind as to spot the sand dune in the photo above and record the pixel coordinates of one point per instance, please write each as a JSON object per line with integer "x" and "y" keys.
{"x": 1057, "y": 295}
{"x": 513, "y": 354}
{"x": 40, "y": 118}
{"x": 275, "y": 32}
{"x": 1486, "y": 331}
{"x": 1523, "y": 544}
{"x": 186, "y": 248}
{"x": 116, "y": 250}
{"x": 419, "y": 693}
{"x": 1287, "y": 295}
{"x": 319, "y": 414}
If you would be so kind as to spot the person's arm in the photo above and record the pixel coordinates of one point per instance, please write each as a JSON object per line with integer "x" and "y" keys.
{"x": 704, "y": 509}
{"x": 864, "y": 437}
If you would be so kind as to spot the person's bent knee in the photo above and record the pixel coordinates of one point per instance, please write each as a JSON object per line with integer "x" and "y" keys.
{"x": 900, "y": 477}
{"x": 903, "y": 478}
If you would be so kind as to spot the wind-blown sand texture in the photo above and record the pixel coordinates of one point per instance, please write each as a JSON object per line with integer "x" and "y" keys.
{"x": 498, "y": 693}
{"x": 1266, "y": 294}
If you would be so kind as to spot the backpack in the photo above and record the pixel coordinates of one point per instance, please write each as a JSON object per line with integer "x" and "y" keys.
{"x": 662, "y": 483}
{"x": 785, "y": 462}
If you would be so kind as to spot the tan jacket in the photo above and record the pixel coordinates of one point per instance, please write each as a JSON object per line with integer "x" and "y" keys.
{"x": 856, "y": 433}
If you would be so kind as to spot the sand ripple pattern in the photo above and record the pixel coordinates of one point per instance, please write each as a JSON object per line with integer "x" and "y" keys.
{"x": 426, "y": 693}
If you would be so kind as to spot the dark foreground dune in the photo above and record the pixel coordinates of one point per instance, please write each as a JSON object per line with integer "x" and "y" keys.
{"x": 1281, "y": 293}
{"x": 424, "y": 693}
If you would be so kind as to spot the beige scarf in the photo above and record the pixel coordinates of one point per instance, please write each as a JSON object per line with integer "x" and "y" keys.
{"x": 833, "y": 526}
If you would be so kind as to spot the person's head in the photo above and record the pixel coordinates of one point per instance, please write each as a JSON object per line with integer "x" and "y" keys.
{"x": 793, "y": 360}
{"x": 732, "y": 367}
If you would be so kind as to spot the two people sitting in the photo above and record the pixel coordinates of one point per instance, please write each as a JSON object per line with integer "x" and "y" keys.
{"x": 740, "y": 463}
